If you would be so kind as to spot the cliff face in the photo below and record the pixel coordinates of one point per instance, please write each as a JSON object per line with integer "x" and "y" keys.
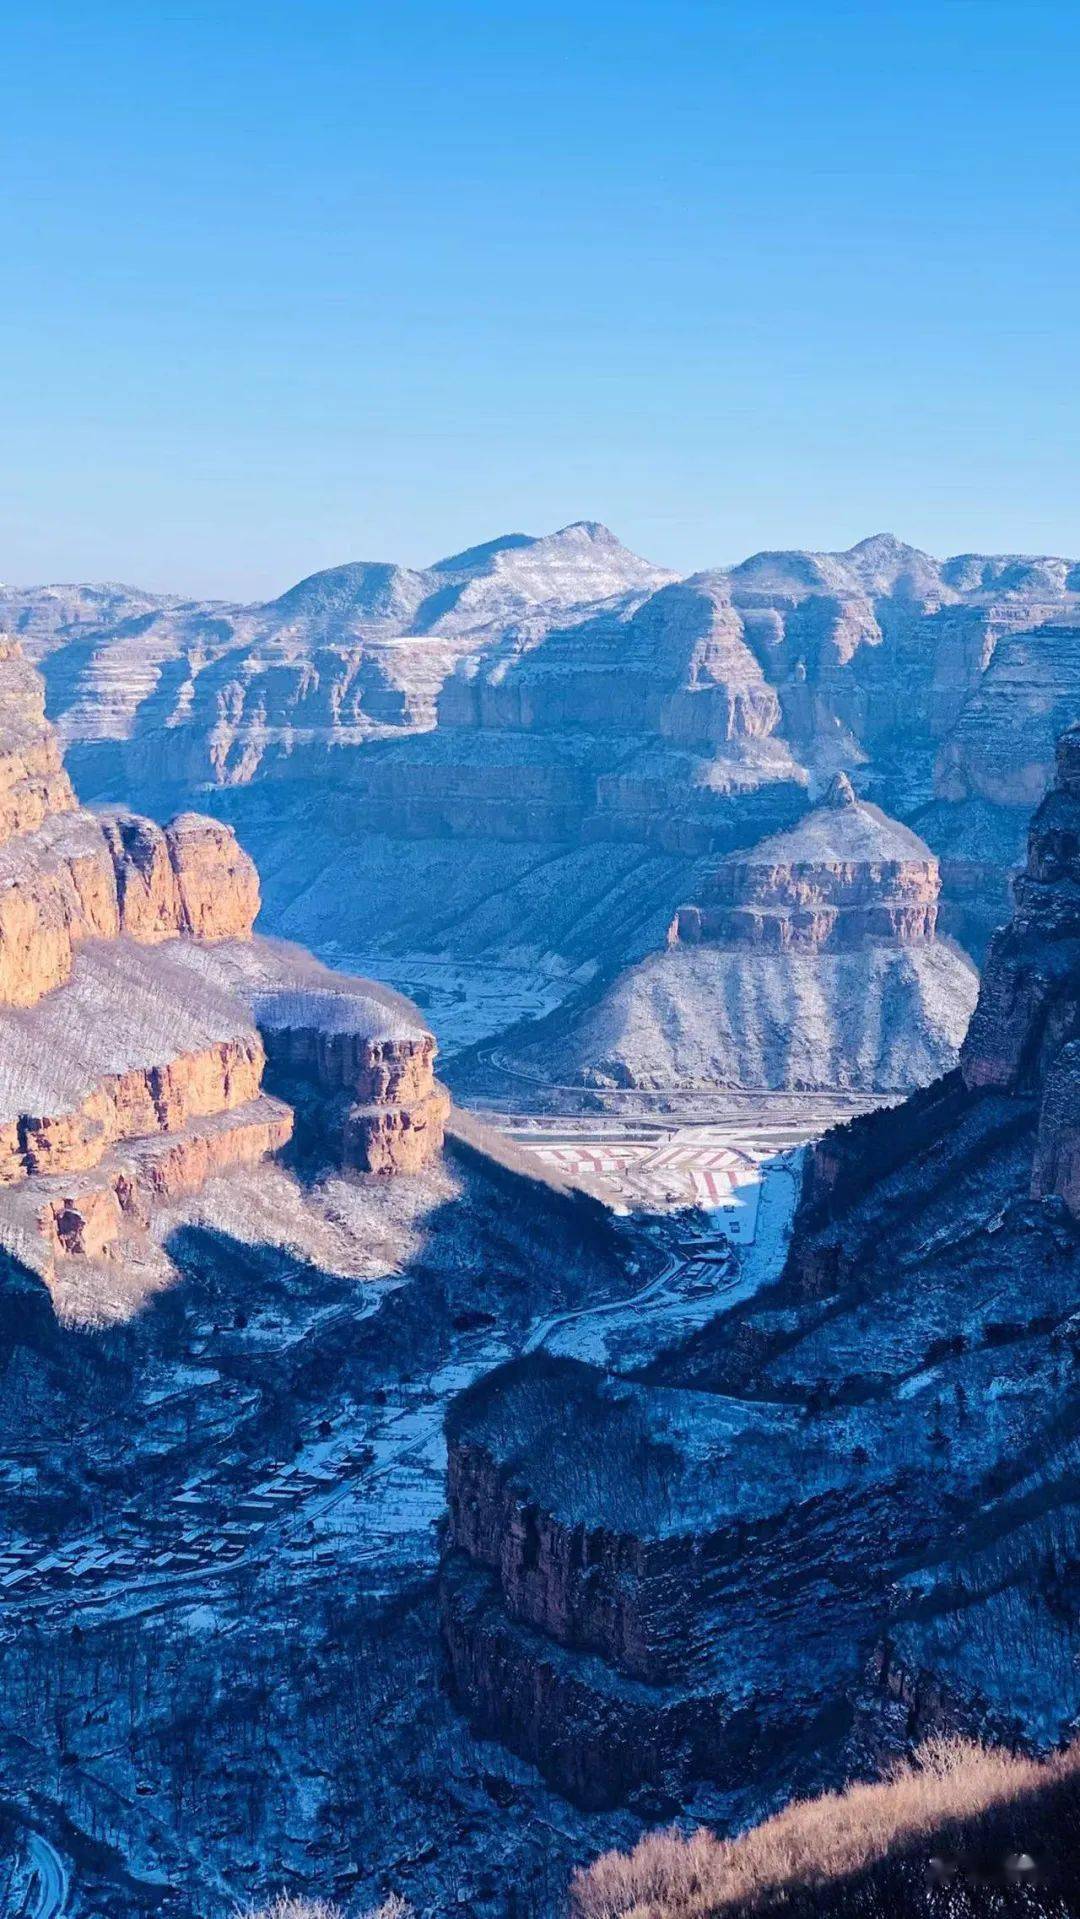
{"x": 810, "y": 961}
{"x": 827, "y": 656}
{"x": 67, "y": 877}
{"x": 564, "y": 698}
{"x": 189, "y": 877}
{"x": 227, "y": 692}
{"x": 875, "y": 1454}
{"x": 846, "y": 876}
{"x": 624, "y": 1565}
{"x": 372, "y": 1091}
{"x": 131, "y": 996}
{"x": 1029, "y": 1003}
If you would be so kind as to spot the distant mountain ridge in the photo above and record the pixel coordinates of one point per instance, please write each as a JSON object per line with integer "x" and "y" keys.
{"x": 244, "y": 684}
{"x": 526, "y": 750}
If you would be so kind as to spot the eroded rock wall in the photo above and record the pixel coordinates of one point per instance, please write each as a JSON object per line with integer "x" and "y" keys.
{"x": 1029, "y": 1005}
{"x": 844, "y": 878}
{"x": 362, "y": 1082}
{"x": 133, "y": 1105}
{"x": 131, "y": 1064}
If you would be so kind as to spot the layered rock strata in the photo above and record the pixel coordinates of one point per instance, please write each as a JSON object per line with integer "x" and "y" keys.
{"x": 131, "y": 998}
{"x": 811, "y": 961}
{"x": 561, "y": 693}
{"x": 845, "y": 876}
{"x": 187, "y": 877}
{"x": 624, "y": 1564}
{"x": 876, "y": 1453}
{"x": 68, "y": 876}
{"x": 1030, "y": 1002}
{"x": 373, "y": 1076}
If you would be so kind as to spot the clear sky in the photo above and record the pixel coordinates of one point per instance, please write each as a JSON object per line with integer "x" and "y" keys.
{"x": 287, "y": 285}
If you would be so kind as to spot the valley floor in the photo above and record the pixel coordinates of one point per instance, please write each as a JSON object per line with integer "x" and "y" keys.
{"x": 221, "y": 1523}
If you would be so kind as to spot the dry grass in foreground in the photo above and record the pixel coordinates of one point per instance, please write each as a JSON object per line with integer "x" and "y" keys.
{"x": 285, "y": 1908}
{"x": 813, "y": 1842}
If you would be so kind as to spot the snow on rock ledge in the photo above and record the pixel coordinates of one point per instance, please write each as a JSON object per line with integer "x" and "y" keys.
{"x": 131, "y": 999}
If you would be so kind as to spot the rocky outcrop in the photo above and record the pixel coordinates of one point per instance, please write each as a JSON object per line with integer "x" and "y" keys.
{"x": 131, "y": 997}
{"x": 142, "y": 1077}
{"x": 33, "y": 784}
{"x": 189, "y": 877}
{"x": 623, "y": 1565}
{"x": 133, "y": 1105}
{"x": 95, "y": 1217}
{"x": 363, "y": 1070}
{"x": 1030, "y": 1000}
{"x": 67, "y": 876}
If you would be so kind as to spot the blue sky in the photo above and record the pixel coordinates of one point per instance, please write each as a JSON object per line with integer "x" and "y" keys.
{"x": 287, "y": 285}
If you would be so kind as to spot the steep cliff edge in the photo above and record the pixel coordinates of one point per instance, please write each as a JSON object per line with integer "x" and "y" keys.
{"x": 810, "y": 960}
{"x": 133, "y": 999}
{"x": 845, "y": 876}
{"x": 887, "y": 1434}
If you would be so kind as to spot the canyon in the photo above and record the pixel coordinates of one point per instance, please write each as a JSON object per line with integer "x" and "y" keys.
{"x": 842, "y": 1515}
{"x": 246, "y": 1255}
{"x": 715, "y": 1519}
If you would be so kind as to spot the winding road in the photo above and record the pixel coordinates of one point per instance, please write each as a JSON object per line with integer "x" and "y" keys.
{"x": 49, "y": 1884}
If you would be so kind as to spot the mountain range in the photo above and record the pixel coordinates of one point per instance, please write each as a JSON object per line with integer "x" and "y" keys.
{"x": 534, "y": 752}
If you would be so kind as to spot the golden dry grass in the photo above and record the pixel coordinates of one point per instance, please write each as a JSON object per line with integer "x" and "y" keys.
{"x": 393, "y": 1907}
{"x": 813, "y": 1841}
{"x": 285, "y": 1908}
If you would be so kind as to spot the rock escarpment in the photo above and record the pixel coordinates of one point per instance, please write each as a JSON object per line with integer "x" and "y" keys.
{"x": 624, "y": 1563}
{"x": 846, "y": 876}
{"x": 131, "y": 997}
{"x": 189, "y": 877}
{"x": 811, "y": 960}
{"x": 561, "y": 692}
{"x": 67, "y": 877}
{"x": 370, "y": 1076}
{"x": 884, "y": 1439}
{"x": 1029, "y": 1002}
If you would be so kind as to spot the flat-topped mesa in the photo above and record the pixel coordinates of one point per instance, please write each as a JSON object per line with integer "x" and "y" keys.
{"x": 846, "y": 876}
{"x": 360, "y": 1066}
{"x": 130, "y": 1084}
{"x": 624, "y": 1563}
{"x": 131, "y": 1060}
{"x": 141, "y": 1079}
